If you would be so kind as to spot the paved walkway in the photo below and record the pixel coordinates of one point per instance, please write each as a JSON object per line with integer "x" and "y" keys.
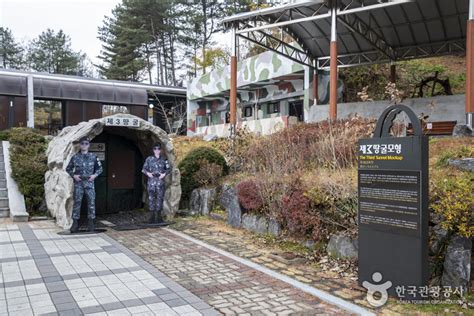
{"x": 142, "y": 272}
{"x": 45, "y": 273}
{"x": 229, "y": 286}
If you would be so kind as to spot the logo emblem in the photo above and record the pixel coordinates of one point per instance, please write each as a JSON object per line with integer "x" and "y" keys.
{"x": 377, "y": 288}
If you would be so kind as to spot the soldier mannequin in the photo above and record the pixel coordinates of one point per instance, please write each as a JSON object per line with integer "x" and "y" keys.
{"x": 84, "y": 167}
{"x": 156, "y": 168}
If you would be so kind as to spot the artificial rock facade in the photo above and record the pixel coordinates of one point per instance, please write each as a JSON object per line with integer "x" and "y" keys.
{"x": 59, "y": 185}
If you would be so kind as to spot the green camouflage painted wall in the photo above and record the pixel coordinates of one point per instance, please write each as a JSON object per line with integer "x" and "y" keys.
{"x": 261, "y": 67}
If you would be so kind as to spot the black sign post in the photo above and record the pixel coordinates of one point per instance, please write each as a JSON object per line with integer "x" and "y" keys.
{"x": 393, "y": 205}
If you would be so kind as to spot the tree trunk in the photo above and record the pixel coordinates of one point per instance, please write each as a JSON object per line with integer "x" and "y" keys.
{"x": 204, "y": 14}
{"x": 173, "y": 70}
{"x": 165, "y": 57}
{"x": 148, "y": 63}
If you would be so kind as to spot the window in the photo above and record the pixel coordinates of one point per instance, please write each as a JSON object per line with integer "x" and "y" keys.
{"x": 274, "y": 108}
{"x": 248, "y": 111}
{"x": 48, "y": 116}
{"x": 227, "y": 117}
{"x": 114, "y": 109}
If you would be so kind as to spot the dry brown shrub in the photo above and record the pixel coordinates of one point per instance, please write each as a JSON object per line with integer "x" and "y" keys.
{"x": 208, "y": 173}
{"x": 306, "y": 146}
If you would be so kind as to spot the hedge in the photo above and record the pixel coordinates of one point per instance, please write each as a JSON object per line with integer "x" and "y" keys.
{"x": 29, "y": 164}
{"x": 190, "y": 165}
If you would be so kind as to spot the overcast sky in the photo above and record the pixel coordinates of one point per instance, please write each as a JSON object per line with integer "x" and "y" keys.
{"x": 77, "y": 18}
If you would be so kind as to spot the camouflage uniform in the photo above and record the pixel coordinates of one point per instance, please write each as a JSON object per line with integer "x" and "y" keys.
{"x": 155, "y": 186}
{"x": 84, "y": 165}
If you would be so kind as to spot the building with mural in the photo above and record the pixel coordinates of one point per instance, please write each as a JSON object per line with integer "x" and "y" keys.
{"x": 273, "y": 93}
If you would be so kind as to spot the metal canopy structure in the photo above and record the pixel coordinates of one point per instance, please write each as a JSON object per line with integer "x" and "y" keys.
{"x": 343, "y": 33}
{"x": 370, "y": 31}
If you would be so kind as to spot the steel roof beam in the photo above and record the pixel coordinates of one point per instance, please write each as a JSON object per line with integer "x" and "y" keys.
{"x": 324, "y": 16}
{"x": 403, "y": 53}
{"x": 290, "y": 52}
{"x": 357, "y": 25}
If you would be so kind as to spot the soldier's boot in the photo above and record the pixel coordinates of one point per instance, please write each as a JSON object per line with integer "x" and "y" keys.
{"x": 91, "y": 225}
{"x": 159, "y": 218}
{"x": 74, "y": 226}
{"x": 152, "y": 218}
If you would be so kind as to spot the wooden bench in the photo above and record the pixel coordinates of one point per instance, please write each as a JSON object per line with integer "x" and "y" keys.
{"x": 435, "y": 128}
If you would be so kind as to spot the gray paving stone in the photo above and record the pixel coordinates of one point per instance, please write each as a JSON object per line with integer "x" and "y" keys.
{"x": 13, "y": 283}
{"x": 70, "y": 276}
{"x": 61, "y": 294}
{"x": 169, "y": 296}
{"x": 176, "y": 302}
{"x": 33, "y": 281}
{"x": 192, "y": 299}
{"x": 132, "y": 302}
{"x": 52, "y": 279}
{"x": 162, "y": 291}
{"x": 66, "y": 306}
{"x": 200, "y": 306}
{"x": 112, "y": 306}
{"x": 92, "y": 309}
{"x": 102, "y": 273}
{"x": 63, "y": 300}
{"x": 56, "y": 287}
{"x": 71, "y": 312}
{"x": 151, "y": 300}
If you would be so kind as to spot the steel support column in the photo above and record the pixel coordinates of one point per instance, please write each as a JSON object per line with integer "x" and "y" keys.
{"x": 233, "y": 84}
{"x": 470, "y": 67}
{"x": 30, "y": 120}
{"x": 333, "y": 65}
{"x": 393, "y": 73}
{"x": 315, "y": 87}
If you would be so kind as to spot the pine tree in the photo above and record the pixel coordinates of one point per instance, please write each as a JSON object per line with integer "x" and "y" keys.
{"x": 11, "y": 52}
{"x": 51, "y": 52}
{"x": 121, "y": 54}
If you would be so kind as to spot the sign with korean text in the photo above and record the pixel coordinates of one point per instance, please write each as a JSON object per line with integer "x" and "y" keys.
{"x": 393, "y": 204}
{"x": 98, "y": 149}
{"x": 122, "y": 122}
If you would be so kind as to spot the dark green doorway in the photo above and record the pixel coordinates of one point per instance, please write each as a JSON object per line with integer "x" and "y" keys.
{"x": 119, "y": 187}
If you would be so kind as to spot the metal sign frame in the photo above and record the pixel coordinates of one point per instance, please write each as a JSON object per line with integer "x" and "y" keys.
{"x": 393, "y": 210}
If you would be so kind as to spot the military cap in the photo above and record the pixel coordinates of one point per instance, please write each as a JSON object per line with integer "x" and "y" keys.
{"x": 84, "y": 139}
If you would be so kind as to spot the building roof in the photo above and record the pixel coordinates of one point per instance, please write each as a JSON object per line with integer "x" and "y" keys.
{"x": 65, "y": 87}
{"x": 375, "y": 31}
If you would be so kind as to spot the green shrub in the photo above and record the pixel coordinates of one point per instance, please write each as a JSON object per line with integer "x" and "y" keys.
{"x": 4, "y": 135}
{"x": 29, "y": 164}
{"x": 191, "y": 164}
{"x": 453, "y": 198}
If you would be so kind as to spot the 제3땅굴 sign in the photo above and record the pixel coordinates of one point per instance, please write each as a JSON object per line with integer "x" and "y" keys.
{"x": 122, "y": 121}
{"x": 393, "y": 204}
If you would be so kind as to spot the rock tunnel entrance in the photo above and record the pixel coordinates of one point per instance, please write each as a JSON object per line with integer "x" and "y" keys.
{"x": 119, "y": 188}
{"x": 122, "y": 151}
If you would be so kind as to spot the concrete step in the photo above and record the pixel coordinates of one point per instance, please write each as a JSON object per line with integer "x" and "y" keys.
{"x": 3, "y": 193}
{"x": 4, "y": 212}
{"x": 3, "y": 202}
{"x": 2, "y": 174}
{"x": 3, "y": 183}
